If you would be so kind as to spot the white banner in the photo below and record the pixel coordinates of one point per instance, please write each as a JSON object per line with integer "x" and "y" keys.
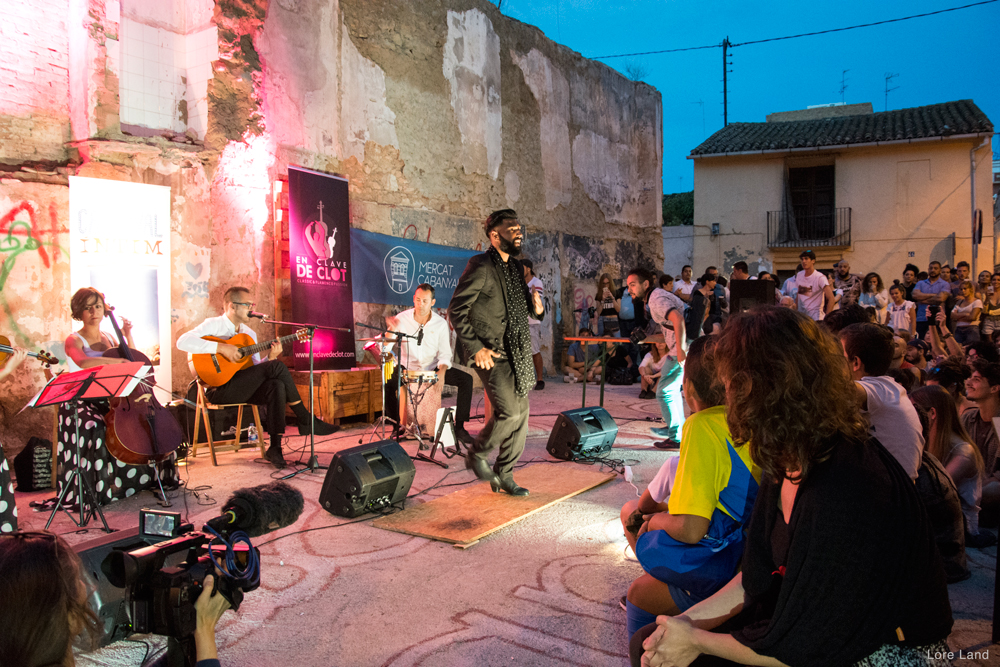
{"x": 119, "y": 240}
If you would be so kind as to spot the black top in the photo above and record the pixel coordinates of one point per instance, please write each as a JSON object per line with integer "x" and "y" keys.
{"x": 861, "y": 562}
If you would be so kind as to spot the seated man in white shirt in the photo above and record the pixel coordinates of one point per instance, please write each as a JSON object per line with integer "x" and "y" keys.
{"x": 433, "y": 352}
{"x": 267, "y": 382}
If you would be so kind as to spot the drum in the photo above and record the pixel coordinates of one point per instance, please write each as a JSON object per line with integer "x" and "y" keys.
{"x": 419, "y": 377}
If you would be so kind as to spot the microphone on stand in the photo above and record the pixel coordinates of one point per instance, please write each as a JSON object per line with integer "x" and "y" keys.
{"x": 420, "y": 336}
{"x": 259, "y": 316}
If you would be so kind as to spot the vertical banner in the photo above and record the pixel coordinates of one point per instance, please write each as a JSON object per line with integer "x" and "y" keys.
{"x": 119, "y": 242}
{"x": 319, "y": 247}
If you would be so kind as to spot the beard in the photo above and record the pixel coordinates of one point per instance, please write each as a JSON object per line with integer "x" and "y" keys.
{"x": 509, "y": 247}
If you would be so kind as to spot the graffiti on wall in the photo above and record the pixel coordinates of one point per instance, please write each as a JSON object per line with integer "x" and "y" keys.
{"x": 19, "y": 236}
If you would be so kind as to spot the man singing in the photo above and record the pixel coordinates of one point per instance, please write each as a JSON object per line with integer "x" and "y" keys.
{"x": 264, "y": 383}
{"x": 431, "y": 353}
{"x": 489, "y": 311}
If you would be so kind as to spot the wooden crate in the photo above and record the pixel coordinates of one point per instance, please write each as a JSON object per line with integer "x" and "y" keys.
{"x": 340, "y": 394}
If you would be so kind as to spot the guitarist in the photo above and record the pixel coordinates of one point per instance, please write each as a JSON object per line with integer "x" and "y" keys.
{"x": 268, "y": 382}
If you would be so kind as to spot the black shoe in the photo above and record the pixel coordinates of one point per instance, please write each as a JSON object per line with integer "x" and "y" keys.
{"x": 667, "y": 444}
{"x": 540, "y": 384}
{"x": 464, "y": 436}
{"x": 508, "y": 485}
{"x": 478, "y": 465}
{"x": 981, "y": 540}
{"x": 322, "y": 428}
{"x": 275, "y": 457}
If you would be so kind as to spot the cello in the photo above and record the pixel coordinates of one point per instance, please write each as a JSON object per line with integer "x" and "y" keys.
{"x": 139, "y": 429}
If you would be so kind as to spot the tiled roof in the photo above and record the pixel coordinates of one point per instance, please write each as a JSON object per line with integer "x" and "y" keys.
{"x": 934, "y": 120}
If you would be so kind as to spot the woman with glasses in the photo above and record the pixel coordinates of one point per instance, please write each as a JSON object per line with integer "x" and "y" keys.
{"x": 44, "y": 611}
{"x": 840, "y": 566}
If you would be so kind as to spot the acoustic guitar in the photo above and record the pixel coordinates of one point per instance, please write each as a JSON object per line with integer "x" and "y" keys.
{"x": 215, "y": 370}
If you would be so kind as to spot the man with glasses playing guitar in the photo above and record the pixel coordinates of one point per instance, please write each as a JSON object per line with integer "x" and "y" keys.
{"x": 260, "y": 381}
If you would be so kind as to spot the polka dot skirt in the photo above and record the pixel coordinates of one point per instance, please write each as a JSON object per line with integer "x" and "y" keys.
{"x": 111, "y": 479}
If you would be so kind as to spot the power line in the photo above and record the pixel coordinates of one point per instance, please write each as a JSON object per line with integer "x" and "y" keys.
{"x": 804, "y": 34}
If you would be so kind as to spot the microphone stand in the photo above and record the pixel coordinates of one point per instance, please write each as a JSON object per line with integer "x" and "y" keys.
{"x": 399, "y": 336}
{"x": 313, "y": 461}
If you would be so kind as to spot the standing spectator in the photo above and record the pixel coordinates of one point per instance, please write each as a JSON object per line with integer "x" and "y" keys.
{"x": 991, "y": 307}
{"x": 946, "y": 274}
{"x": 789, "y": 288}
{"x": 717, "y": 304}
{"x": 607, "y": 306}
{"x": 666, "y": 282}
{"x": 958, "y": 276}
{"x": 874, "y": 295}
{"x": 649, "y": 369}
{"x": 815, "y": 298}
{"x": 840, "y": 559}
{"x": 965, "y": 314}
{"x": 535, "y": 326}
{"x": 667, "y": 311}
{"x": 910, "y": 280}
{"x": 984, "y": 287}
{"x": 849, "y": 283}
{"x": 951, "y": 444}
{"x": 684, "y": 285}
{"x": 741, "y": 271}
{"x": 933, "y": 291}
{"x": 902, "y": 313}
{"x": 983, "y": 389}
{"x": 696, "y": 317}
{"x": 869, "y": 349}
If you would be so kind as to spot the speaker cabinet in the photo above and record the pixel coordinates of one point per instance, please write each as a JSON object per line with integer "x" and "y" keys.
{"x": 582, "y": 433}
{"x": 745, "y": 294}
{"x": 367, "y": 478}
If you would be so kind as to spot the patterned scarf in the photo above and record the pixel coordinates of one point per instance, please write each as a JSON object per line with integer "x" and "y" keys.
{"x": 516, "y": 338}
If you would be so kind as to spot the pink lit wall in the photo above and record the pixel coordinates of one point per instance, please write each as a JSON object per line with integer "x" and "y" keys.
{"x": 34, "y": 58}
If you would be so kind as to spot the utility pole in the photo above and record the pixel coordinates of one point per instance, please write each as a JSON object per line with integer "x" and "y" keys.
{"x": 888, "y": 78}
{"x": 843, "y": 84}
{"x": 725, "y": 82}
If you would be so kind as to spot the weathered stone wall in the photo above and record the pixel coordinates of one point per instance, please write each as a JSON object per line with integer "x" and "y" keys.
{"x": 437, "y": 111}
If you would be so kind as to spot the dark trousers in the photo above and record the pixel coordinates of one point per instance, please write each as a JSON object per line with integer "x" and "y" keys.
{"x": 267, "y": 383}
{"x": 508, "y": 425}
{"x": 453, "y": 376}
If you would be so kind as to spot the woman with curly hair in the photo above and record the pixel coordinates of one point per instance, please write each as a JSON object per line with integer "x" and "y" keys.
{"x": 840, "y": 566}
{"x": 875, "y": 295}
{"x": 607, "y": 306}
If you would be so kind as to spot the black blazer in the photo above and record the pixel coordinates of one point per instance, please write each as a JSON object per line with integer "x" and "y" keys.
{"x": 478, "y": 308}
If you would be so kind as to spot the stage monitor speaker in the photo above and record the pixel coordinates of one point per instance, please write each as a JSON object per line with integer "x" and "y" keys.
{"x": 582, "y": 433}
{"x": 745, "y": 294}
{"x": 367, "y": 478}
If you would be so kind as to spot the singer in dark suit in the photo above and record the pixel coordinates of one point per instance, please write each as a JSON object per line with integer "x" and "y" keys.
{"x": 490, "y": 310}
{"x": 267, "y": 382}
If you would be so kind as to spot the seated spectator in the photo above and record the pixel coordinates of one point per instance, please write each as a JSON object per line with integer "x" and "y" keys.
{"x": 875, "y": 296}
{"x": 983, "y": 390}
{"x": 581, "y": 366}
{"x": 845, "y": 316}
{"x": 984, "y": 350}
{"x": 869, "y": 348}
{"x": 690, "y": 538}
{"x": 951, "y": 374}
{"x": 649, "y": 369}
{"x": 965, "y": 314}
{"x": 51, "y": 613}
{"x": 788, "y": 302}
{"x": 902, "y": 313}
{"x": 916, "y": 353}
{"x": 951, "y": 444}
{"x": 840, "y": 559}
{"x": 904, "y": 378}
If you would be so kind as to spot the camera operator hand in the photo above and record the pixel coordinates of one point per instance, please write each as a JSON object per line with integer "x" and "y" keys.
{"x": 209, "y": 608}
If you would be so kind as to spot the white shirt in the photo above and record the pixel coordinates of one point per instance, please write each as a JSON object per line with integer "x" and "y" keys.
{"x": 684, "y": 287}
{"x": 535, "y": 285}
{"x": 894, "y": 421}
{"x": 790, "y": 289}
{"x": 663, "y": 481}
{"x": 220, "y": 327}
{"x": 661, "y": 302}
{"x": 435, "y": 347}
{"x": 652, "y": 367}
{"x": 810, "y": 293}
{"x": 899, "y": 316}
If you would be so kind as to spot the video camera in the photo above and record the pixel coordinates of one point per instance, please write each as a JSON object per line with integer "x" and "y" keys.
{"x": 162, "y": 581}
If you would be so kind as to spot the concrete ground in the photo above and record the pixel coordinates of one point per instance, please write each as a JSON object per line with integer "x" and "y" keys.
{"x": 543, "y": 591}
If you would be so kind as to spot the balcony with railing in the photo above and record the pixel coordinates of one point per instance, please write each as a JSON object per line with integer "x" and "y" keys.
{"x": 805, "y": 228}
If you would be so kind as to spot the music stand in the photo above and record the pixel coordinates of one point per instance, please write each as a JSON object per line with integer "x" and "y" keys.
{"x": 90, "y": 384}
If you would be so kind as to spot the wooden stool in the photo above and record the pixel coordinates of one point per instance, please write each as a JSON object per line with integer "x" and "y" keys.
{"x": 201, "y": 412}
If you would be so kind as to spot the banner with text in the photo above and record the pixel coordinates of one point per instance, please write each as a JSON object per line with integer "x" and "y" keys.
{"x": 319, "y": 248}
{"x": 390, "y": 268}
